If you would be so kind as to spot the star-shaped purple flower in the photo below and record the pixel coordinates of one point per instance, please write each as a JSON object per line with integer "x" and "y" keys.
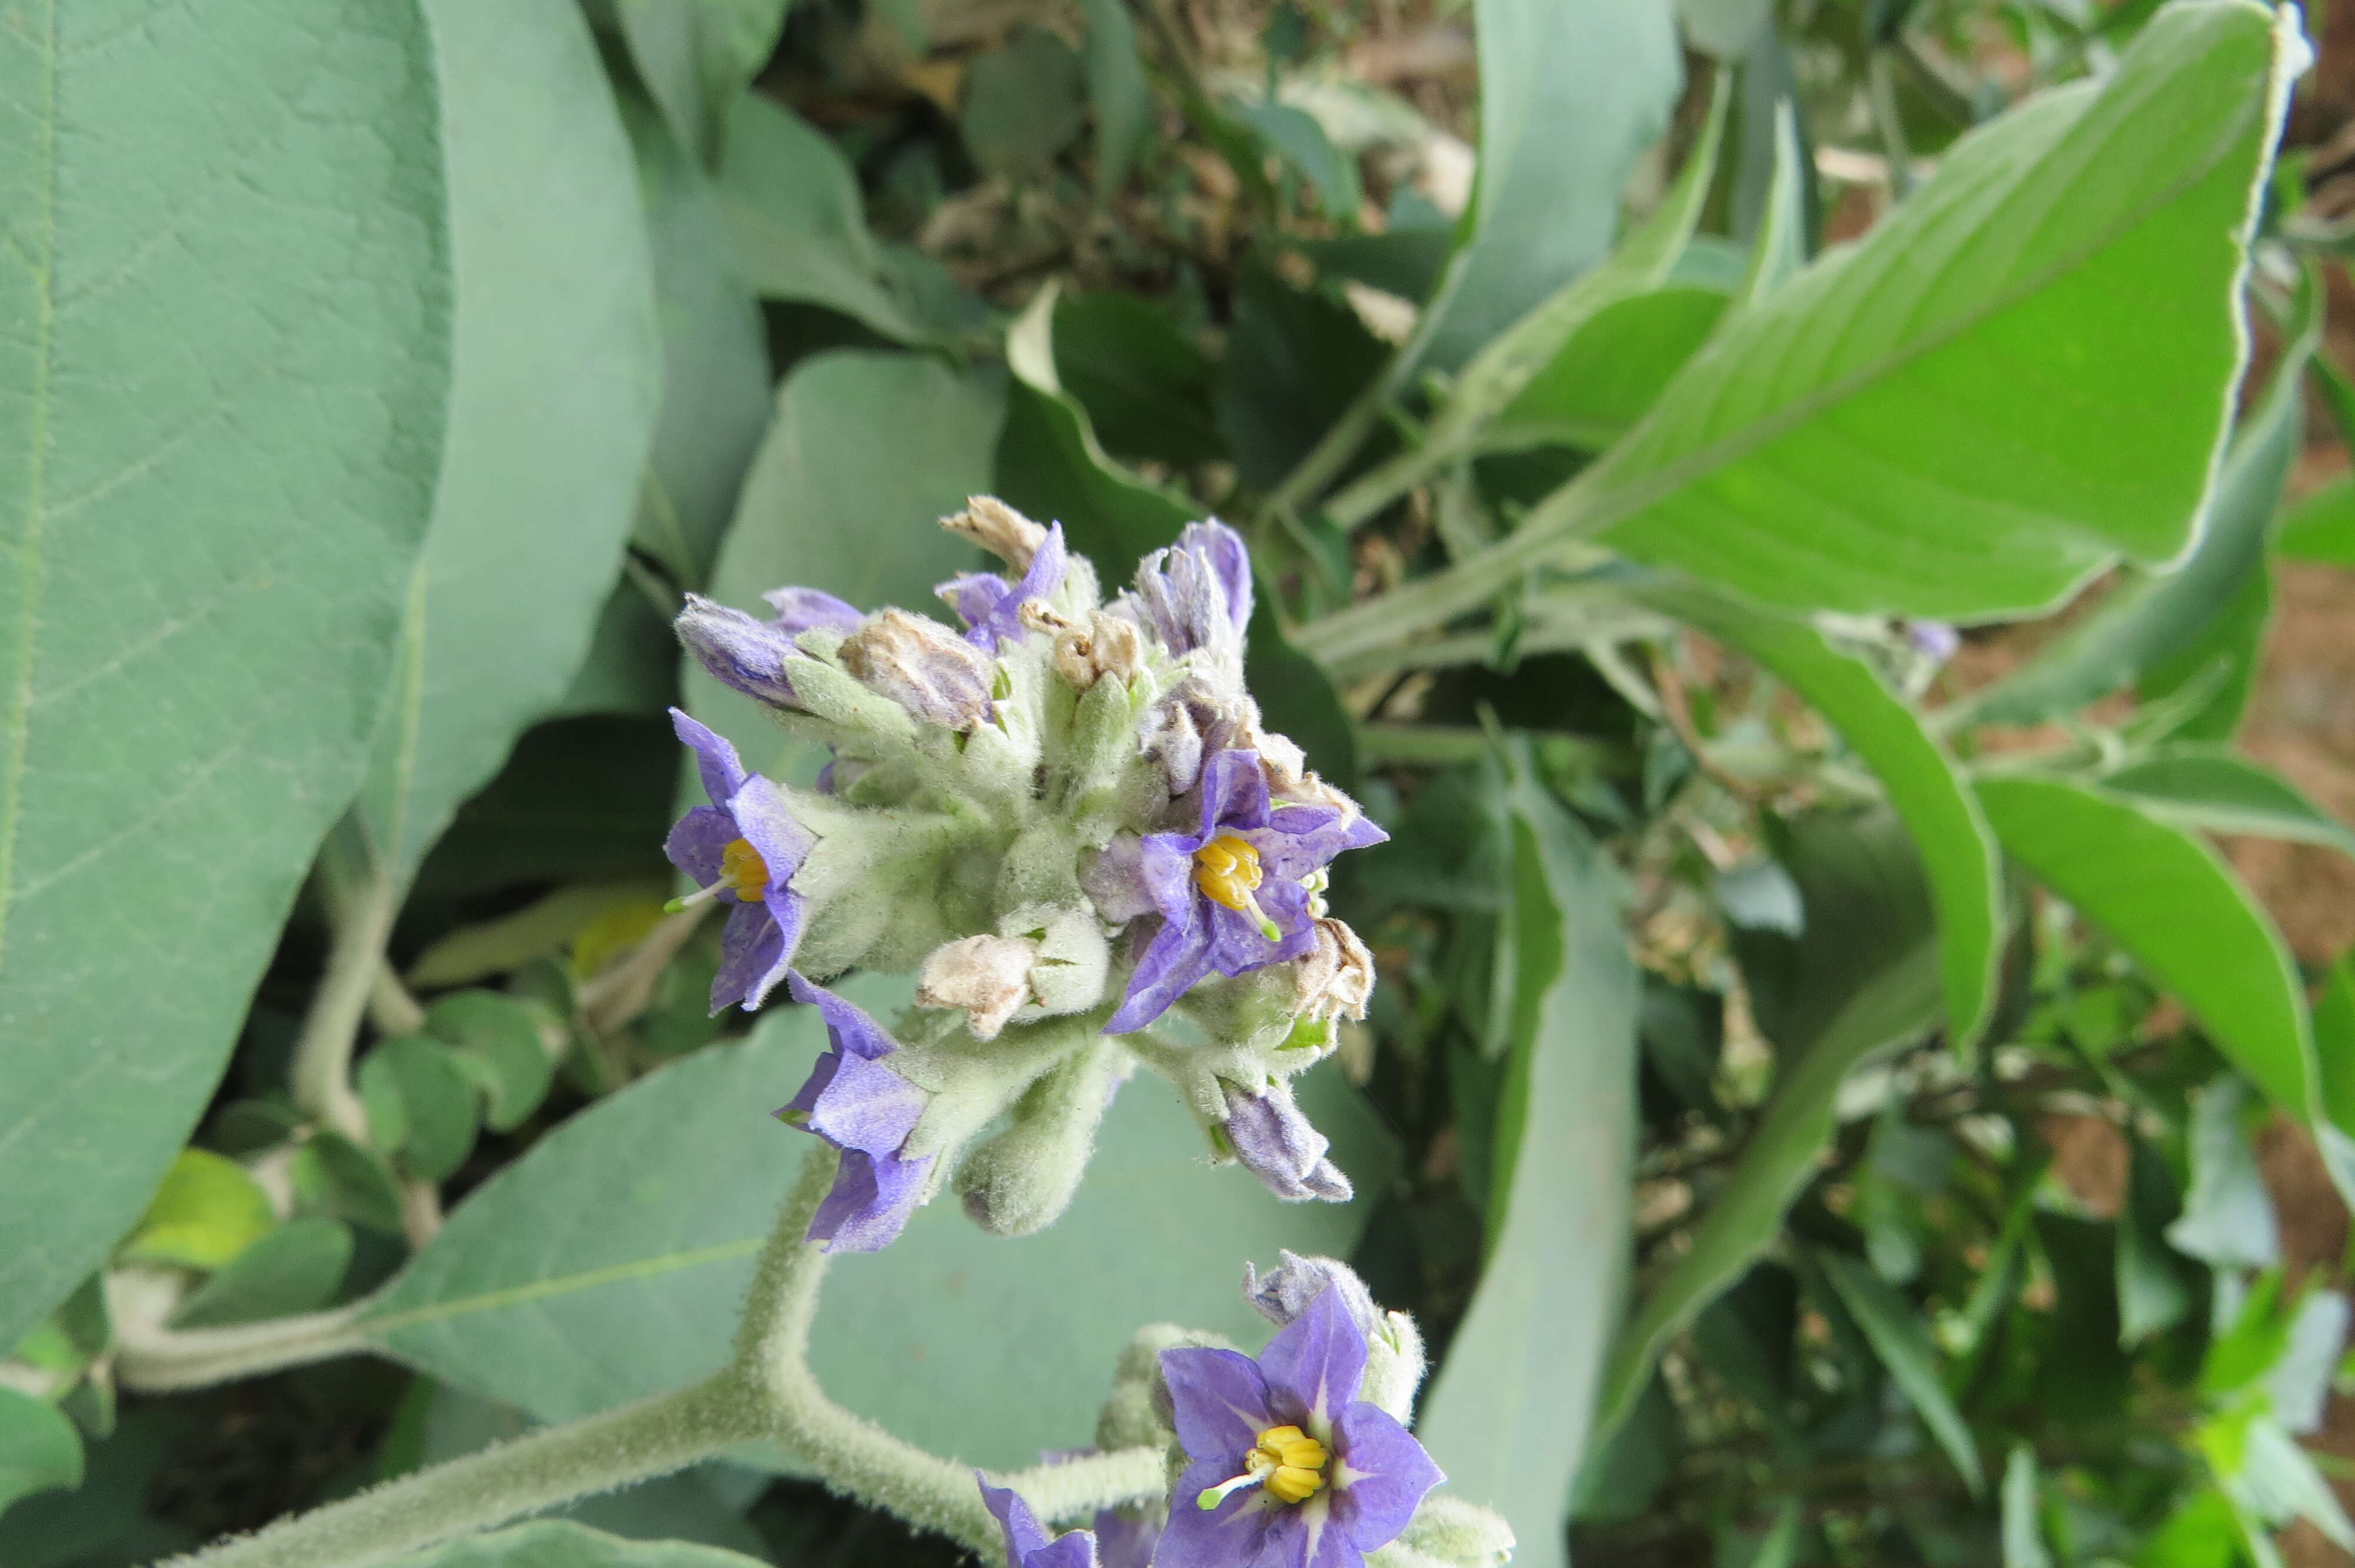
{"x": 864, "y": 1108}
{"x": 1233, "y": 897}
{"x": 1198, "y": 593}
{"x": 991, "y": 607}
{"x": 748, "y": 654}
{"x": 1287, "y": 1467}
{"x": 743, "y": 849}
{"x": 1027, "y": 1544}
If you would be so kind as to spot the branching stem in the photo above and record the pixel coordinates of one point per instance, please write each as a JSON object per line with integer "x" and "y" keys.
{"x": 322, "y": 1053}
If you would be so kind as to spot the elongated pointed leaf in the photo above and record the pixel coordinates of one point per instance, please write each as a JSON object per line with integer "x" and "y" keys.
{"x": 2213, "y": 788}
{"x": 558, "y": 373}
{"x": 1894, "y": 1328}
{"x": 1905, "y": 426}
{"x": 222, "y": 397}
{"x": 698, "y": 59}
{"x": 1957, "y": 848}
{"x": 2168, "y": 900}
{"x": 1511, "y": 1412}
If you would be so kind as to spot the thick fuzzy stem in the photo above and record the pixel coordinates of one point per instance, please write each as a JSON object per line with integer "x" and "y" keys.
{"x": 322, "y": 1053}
{"x": 158, "y": 1360}
{"x": 652, "y": 1437}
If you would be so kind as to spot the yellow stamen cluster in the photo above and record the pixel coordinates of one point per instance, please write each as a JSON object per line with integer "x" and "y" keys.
{"x": 1291, "y": 1463}
{"x": 742, "y": 871}
{"x": 1227, "y": 868}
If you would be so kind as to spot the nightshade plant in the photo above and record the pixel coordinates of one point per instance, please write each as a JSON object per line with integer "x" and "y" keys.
{"x": 1601, "y": 940}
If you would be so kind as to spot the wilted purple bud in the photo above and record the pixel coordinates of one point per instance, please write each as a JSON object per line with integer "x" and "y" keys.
{"x": 1284, "y": 1292}
{"x": 992, "y": 606}
{"x": 1277, "y": 1145}
{"x": 748, "y": 654}
{"x": 1000, "y": 529}
{"x": 922, "y": 666}
{"x": 1198, "y": 593}
{"x": 864, "y": 1108}
{"x": 1335, "y": 978}
{"x": 1933, "y": 639}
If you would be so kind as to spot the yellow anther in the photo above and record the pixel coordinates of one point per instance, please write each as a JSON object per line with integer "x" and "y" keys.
{"x": 1227, "y": 868}
{"x": 742, "y": 871}
{"x": 1285, "y": 1461}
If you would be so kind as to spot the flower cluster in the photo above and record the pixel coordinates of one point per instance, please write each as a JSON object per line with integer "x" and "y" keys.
{"x": 1070, "y": 822}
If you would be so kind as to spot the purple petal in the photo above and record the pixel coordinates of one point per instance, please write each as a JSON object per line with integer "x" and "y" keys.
{"x": 1115, "y": 880}
{"x": 864, "y": 1106}
{"x": 759, "y": 808}
{"x": 1176, "y": 957}
{"x": 722, "y": 770}
{"x": 1314, "y": 1537}
{"x": 1383, "y": 1472}
{"x": 1277, "y": 1144}
{"x": 1075, "y": 1550}
{"x": 1234, "y": 794}
{"x": 851, "y": 1030}
{"x": 698, "y": 842}
{"x": 1125, "y": 1538}
{"x": 749, "y": 655}
{"x": 870, "y": 1203}
{"x": 1023, "y": 1533}
{"x": 801, "y": 610}
{"x": 1284, "y": 1292}
{"x": 1236, "y": 945}
{"x": 1220, "y": 1399}
{"x": 751, "y": 952}
{"x": 1230, "y": 1536}
{"x": 1317, "y": 1360}
{"x": 1166, "y": 862}
{"x": 788, "y": 909}
{"x": 1223, "y": 551}
{"x": 806, "y": 1098}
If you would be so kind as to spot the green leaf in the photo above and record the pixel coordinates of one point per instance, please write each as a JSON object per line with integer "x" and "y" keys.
{"x": 1725, "y": 28}
{"x": 559, "y": 1543}
{"x": 1599, "y": 76}
{"x": 207, "y": 1211}
{"x": 558, "y": 377}
{"x": 1025, "y": 101}
{"x": 2155, "y": 624}
{"x": 2215, "y": 789}
{"x": 1295, "y": 360}
{"x": 1894, "y": 1328}
{"x": 2334, "y": 1043}
{"x": 1146, "y": 386}
{"x": 539, "y": 929}
{"x": 2167, "y": 899}
{"x": 1779, "y": 249}
{"x": 715, "y": 400}
{"x": 1863, "y": 976}
{"x": 2228, "y": 1220}
{"x": 1509, "y": 1414}
{"x": 2023, "y": 1538}
{"x": 868, "y": 451}
{"x": 2322, "y": 527}
{"x": 225, "y": 382}
{"x": 295, "y": 1268}
{"x": 437, "y": 1102}
{"x": 338, "y": 1179}
{"x": 792, "y": 204}
{"x": 2216, "y": 670}
{"x": 2156, "y": 1288}
{"x": 496, "y": 1043}
{"x": 697, "y": 58}
{"x": 610, "y": 1260}
{"x": 1957, "y": 848}
{"x": 39, "y": 1449}
{"x": 1117, "y": 91}
{"x": 1904, "y": 427}
{"x": 1295, "y": 137}
{"x": 1612, "y": 371}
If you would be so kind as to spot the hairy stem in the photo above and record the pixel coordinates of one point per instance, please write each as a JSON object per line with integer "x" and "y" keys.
{"x": 155, "y": 1359}
{"x": 651, "y": 1438}
{"x": 390, "y": 1007}
{"x": 322, "y": 1053}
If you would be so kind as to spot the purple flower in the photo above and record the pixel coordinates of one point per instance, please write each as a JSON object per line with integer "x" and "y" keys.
{"x": 864, "y": 1108}
{"x": 748, "y": 654}
{"x": 1233, "y": 897}
{"x": 1125, "y": 1536}
{"x": 1198, "y": 593}
{"x": 1288, "y": 1468}
{"x": 991, "y": 607}
{"x": 1276, "y": 1144}
{"x": 1026, "y": 1543}
{"x": 743, "y": 849}
{"x": 1933, "y": 639}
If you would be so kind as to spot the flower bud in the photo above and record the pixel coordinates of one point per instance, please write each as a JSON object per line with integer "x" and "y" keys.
{"x": 1276, "y": 1144}
{"x": 989, "y": 977}
{"x": 1105, "y": 645}
{"x": 1459, "y": 1533}
{"x": 1022, "y": 1180}
{"x": 922, "y": 665}
{"x": 1336, "y": 977}
{"x": 1072, "y": 957}
{"x": 1000, "y": 529}
{"x": 1394, "y": 1355}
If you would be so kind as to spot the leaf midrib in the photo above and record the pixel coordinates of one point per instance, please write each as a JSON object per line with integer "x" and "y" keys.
{"x": 560, "y": 1285}
{"x": 28, "y": 551}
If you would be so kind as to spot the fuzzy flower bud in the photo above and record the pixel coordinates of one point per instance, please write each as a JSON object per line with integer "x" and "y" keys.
{"x": 1395, "y": 1356}
{"x": 1105, "y": 645}
{"x": 1336, "y": 977}
{"x": 1022, "y": 1180}
{"x": 1197, "y": 595}
{"x": 989, "y": 977}
{"x": 922, "y": 665}
{"x": 749, "y": 655}
{"x": 1275, "y": 1143}
{"x": 1461, "y": 1534}
{"x": 1000, "y": 529}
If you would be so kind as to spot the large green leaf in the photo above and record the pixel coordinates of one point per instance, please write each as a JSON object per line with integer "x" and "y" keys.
{"x": 697, "y": 57}
{"x": 610, "y": 1261}
{"x": 1509, "y": 1414}
{"x": 868, "y": 451}
{"x": 1895, "y": 1329}
{"x": 1599, "y": 76}
{"x": 2167, "y": 899}
{"x": 226, "y": 277}
{"x": 1968, "y": 414}
{"x": 2215, "y": 788}
{"x": 1956, "y": 849}
{"x": 2157, "y": 622}
{"x": 1863, "y": 975}
{"x": 2322, "y": 527}
{"x": 559, "y": 1543}
{"x": 556, "y": 380}
{"x": 1612, "y": 371}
